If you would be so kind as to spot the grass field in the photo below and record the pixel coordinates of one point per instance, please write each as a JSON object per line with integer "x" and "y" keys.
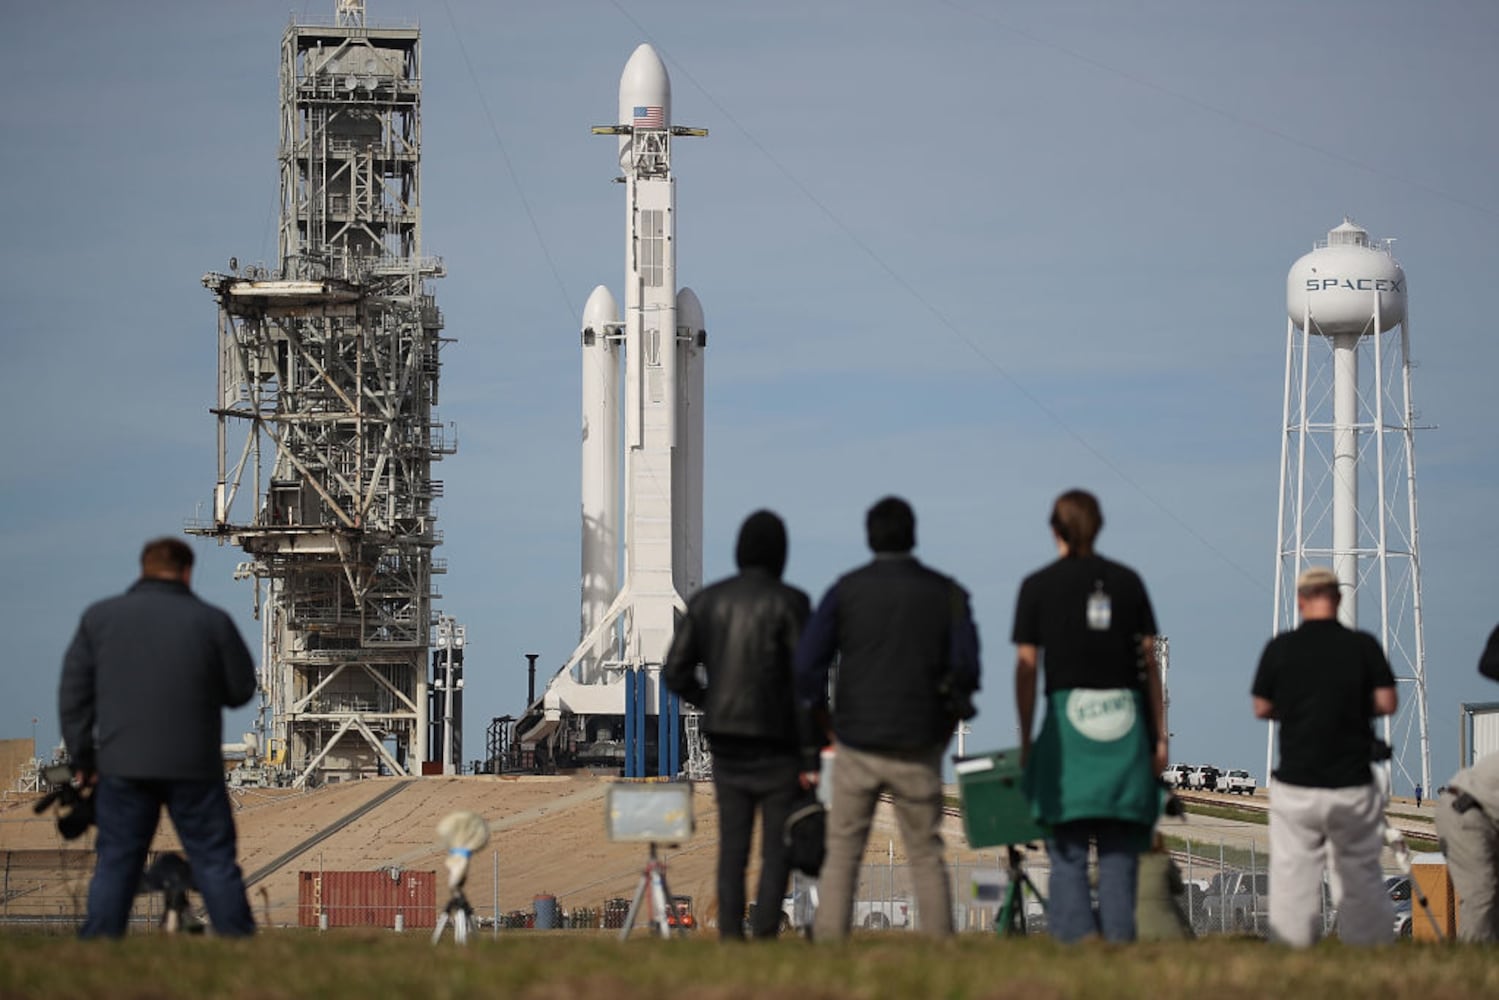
{"x": 575, "y": 966}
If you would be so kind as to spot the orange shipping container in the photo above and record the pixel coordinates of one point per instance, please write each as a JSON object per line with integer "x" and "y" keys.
{"x": 367, "y": 898}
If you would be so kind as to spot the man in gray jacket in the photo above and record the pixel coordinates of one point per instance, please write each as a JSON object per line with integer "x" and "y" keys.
{"x": 143, "y": 685}
{"x": 907, "y": 658}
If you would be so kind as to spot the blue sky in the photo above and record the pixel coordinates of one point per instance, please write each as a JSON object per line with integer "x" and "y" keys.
{"x": 970, "y": 253}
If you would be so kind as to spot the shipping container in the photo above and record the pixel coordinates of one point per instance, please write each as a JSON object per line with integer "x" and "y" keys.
{"x": 367, "y": 898}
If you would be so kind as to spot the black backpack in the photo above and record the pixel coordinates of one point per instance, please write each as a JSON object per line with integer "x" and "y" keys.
{"x": 805, "y": 836}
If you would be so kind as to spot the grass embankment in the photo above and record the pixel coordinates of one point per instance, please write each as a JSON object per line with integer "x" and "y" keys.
{"x": 566, "y": 965}
{"x": 1417, "y": 841}
{"x": 1235, "y": 813}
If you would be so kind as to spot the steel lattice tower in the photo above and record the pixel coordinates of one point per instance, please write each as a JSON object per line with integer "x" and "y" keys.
{"x": 329, "y": 363}
{"x": 1348, "y": 465}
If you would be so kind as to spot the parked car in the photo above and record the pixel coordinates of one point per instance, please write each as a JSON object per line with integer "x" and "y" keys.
{"x": 1237, "y": 782}
{"x": 882, "y": 914}
{"x": 800, "y": 905}
{"x": 1203, "y": 778}
{"x": 1399, "y": 888}
{"x": 1237, "y": 901}
{"x": 1175, "y": 776}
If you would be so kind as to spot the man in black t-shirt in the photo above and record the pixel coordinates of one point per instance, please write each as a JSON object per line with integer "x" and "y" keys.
{"x": 1323, "y": 683}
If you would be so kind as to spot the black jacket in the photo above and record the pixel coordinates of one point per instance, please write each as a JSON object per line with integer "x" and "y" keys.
{"x": 145, "y": 680}
{"x": 743, "y": 631}
{"x": 900, "y": 631}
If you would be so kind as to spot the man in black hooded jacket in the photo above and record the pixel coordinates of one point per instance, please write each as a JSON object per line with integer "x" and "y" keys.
{"x": 731, "y": 657}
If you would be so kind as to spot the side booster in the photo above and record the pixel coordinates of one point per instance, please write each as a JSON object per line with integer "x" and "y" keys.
{"x": 642, "y": 468}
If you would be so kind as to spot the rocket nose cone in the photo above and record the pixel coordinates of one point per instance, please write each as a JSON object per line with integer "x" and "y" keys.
{"x": 645, "y": 85}
{"x": 600, "y": 310}
{"x": 689, "y": 310}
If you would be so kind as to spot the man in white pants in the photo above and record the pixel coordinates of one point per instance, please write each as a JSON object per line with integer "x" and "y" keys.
{"x": 1324, "y": 683}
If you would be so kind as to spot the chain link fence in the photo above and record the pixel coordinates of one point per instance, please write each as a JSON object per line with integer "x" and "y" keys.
{"x": 48, "y": 890}
{"x": 1226, "y": 892}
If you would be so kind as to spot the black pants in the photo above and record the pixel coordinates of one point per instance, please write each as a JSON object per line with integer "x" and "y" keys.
{"x": 743, "y": 785}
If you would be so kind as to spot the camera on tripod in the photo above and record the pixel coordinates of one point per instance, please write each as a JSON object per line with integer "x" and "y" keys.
{"x": 75, "y": 806}
{"x": 653, "y": 812}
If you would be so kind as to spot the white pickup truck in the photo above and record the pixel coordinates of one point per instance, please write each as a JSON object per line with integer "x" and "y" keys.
{"x": 1238, "y": 782}
{"x": 799, "y": 907}
{"x": 1203, "y": 778}
{"x": 882, "y": 914}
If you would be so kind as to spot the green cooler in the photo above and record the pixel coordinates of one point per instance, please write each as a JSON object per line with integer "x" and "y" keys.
{"x": 995, "y": 810}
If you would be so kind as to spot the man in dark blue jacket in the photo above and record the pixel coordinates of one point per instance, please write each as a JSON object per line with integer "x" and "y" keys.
{"x": 741, "y": 633}
{"x": 907, "y": 663}
{"x": 143, "y": 685}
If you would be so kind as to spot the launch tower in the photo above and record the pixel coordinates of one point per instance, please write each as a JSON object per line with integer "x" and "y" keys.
{"x": 328, "y": 376}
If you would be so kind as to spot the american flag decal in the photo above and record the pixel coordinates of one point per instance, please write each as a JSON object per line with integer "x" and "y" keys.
{"x": 649, "y": 117}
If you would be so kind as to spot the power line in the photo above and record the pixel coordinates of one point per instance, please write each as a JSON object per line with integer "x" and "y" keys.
{"x": 1229, "y": 116}
{"x": 520, "y": 192}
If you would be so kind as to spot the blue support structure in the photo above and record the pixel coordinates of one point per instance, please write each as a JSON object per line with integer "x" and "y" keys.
{"x": 630, "y": 735}
{"x": 668, "y": 756}
{"x": 661, "y": 712}
{"x": 676, "y": 734}
{"x": 639, "y": 710}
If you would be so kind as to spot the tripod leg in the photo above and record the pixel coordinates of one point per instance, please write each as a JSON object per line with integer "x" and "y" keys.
{"x": 1034, "y": 891}
{"x": 1011, "y": 918}
{"x": 661, "y": 901}
{"x": 1426, "y": 908}
{"x": 634, "y": 911}
{"x": 442, "y": 925}
{"x": 670, "y": 906}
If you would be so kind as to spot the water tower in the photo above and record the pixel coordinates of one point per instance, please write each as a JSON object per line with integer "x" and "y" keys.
{"x": 1348, "y": 466}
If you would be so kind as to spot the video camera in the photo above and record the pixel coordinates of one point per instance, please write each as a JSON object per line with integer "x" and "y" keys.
{"x": 75, "y": 806}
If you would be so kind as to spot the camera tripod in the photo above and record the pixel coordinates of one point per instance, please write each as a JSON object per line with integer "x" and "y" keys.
{"x": 1011, "y": 917}
{"x": 652, "y": 884}
{"x": 459, "y": 913}
{"x": 173, "y": 878}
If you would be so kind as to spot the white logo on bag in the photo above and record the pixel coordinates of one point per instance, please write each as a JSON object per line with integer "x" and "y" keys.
{"x": 1101, "y": 715}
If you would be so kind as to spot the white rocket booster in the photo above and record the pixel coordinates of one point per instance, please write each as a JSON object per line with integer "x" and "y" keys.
{"x": 642, "y": 452}
{"x": 600, "y": 480}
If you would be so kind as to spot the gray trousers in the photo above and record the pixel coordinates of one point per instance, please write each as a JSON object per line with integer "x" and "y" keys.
{"x": 1312, "y": 829}
{"x": 914, "y": 781}
{"x": 1471, "y": 842}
